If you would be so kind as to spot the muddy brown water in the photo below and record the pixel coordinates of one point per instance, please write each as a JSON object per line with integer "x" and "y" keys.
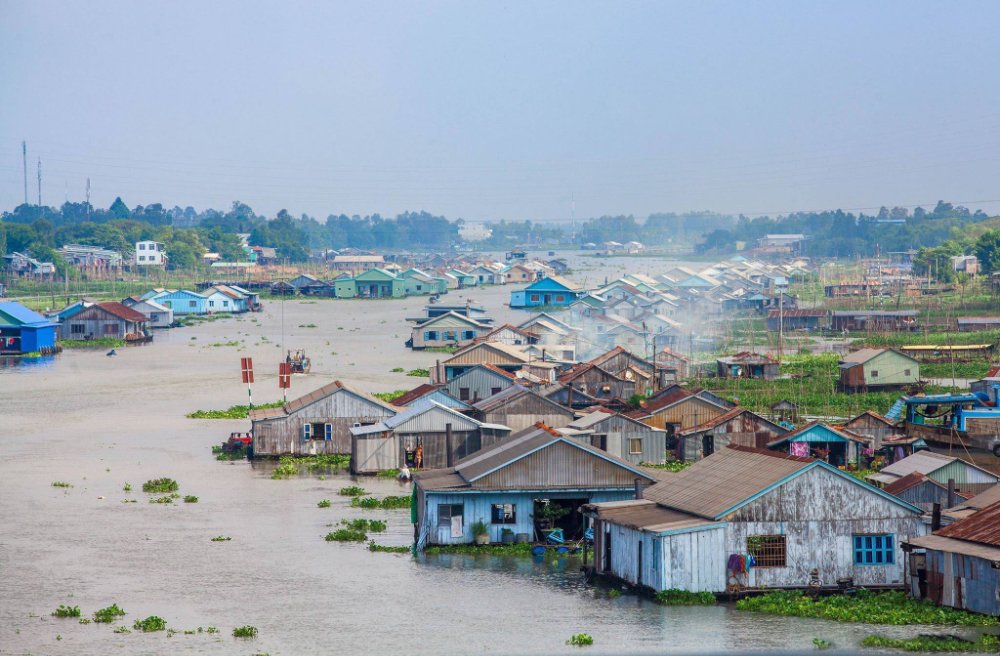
{"x": 98, "y": 422}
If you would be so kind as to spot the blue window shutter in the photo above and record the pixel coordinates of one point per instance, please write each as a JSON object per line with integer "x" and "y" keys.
{"x": 307, "y": 430}
{"x": 328, "y": 430}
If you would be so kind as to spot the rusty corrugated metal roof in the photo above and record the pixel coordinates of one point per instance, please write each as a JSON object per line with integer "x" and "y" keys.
{"x": 982, "y": 527}
{"x": 646, "y": 515}
{"x": 122, "y": 312}
{"x": 414, "y": 394}
{"x": 951, "y": 545}
{"x": 332, "y": 388}
{"x": 715, "y": 484}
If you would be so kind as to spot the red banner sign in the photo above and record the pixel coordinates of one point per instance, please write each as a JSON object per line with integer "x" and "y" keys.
{"x": 246, "y": 367}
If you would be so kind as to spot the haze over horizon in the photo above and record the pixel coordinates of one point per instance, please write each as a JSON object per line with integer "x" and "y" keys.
{"x": 516, "y": 110}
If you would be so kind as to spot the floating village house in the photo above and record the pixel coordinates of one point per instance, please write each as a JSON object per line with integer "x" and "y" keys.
{"x": 449, "y": 329}
{"x": 159, "y": 316}
{"x": 923, "y": 492}
{"x": 747, "y": 365}
{"x": 104, "y": 320}
{"x": 785, "y": 319}
{"x": 737, "y": 426}
{"x": 181, "y": 301}
{"x": 547, "y": 292}
{"x": 25, "y": 331}
{"x": 479, "y": 382}
{"x": 519, "y": 408}
{"x": 941, "y": 468}
{"x": 877, "y": 368}
{"x": 619, "y": 435}
{"x": 316, "y": 423}
{"x": 428, "y": 434}
{"x": 693, "y": 530}
{"x": 874, "y": 320}
{"x": 836, "y": 446}
{"x": 373, "y": 283}
{"x": 959, "y": 565}
{"x": 509, "y": 485}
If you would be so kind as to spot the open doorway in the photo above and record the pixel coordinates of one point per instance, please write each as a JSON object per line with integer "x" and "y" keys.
{"x": 560, "y": 514}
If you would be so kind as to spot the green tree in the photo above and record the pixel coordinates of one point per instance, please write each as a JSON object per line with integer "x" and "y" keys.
{"x": 987, "y": 250}
{"x": 119, "y": 210}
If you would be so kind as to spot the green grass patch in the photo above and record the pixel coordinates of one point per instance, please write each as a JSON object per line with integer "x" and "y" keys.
{"x": 109, "y": 614}
{"x": 935, "y": 643}
{"x": 352, "y": 491}
{"x": 150, "y": 624}
{"x": 864, "y": 607}
{"x": 232, "y": 412}
{"x": 675, "y": 597}
{"x": 99, "y": 343}
{"x": 974, "y": 370}
{"x": 245, "y": 632}
{"x": 938, "y": 339}
{"x": 160, "y": 485}
{"x": 66, "y": 611}
{"x": 386, "y": 503}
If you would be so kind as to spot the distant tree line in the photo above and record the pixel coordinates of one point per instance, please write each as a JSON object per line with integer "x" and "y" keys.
{"x": 844, "y": 234}
{"x": 187, "y": 233}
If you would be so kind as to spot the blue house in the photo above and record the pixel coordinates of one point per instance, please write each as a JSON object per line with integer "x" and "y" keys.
{"x": 182, "y": 301}
{"x": 551, "y": 291}
{"x": 530, "y": 482}
{"x": 25, "y": 331}
{"x": 816, "y": 439}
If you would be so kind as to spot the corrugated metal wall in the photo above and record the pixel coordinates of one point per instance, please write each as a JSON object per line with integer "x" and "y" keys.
{"x": 962, "y": 473}
{"x": 526, "y": 410}
{"x": 689, "y": 413}
{"x": 480, "y": 384}
{"x": 963, "y": 581}
{"x": 559, "y": 465}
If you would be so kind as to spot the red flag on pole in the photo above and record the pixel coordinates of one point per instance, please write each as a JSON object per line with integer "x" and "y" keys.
{"x": 246, "y": 367}
{"x": 284, "y": 375}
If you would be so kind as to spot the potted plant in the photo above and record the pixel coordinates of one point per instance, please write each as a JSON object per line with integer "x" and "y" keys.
{"x": 481, "y": 532}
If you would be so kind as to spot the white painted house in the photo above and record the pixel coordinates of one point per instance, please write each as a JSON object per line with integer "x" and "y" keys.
{"x": 149, "y": 253}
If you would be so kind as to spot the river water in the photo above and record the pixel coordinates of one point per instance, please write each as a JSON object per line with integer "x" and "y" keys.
{"x": 98, "y": 422}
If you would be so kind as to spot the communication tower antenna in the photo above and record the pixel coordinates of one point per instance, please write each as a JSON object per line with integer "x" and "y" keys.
{"x": 88, "y": 194}
{"x": 24, "y": 159}
{"x": 39, "y": 181}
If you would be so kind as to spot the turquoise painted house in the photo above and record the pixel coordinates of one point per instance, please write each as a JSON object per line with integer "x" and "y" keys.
{"x": 374, "y": 283}
{"x": 551, "y": 291}
{"x": 25, "y": 331}
{"x": 420, "y": 283}
{"x": 816, "y": 439}
{"x": 181, "y": 301}
{"x": 510, "y": 487}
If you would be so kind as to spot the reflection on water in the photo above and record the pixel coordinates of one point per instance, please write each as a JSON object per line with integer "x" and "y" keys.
{"x": 12, "y": 361}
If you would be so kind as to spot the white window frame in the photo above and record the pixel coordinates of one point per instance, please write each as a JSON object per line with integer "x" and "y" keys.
{"x": 307, "y": 431}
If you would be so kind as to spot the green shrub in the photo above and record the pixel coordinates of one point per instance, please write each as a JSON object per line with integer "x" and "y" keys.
{"x": 245, "y": 632}
{"x": 150, "y": 624}
{"x": 580, "y": 640}
{"x": 160, "y": 485}
{"x": 108, "y": 615}
{"x": 66, "y": 611}
{"x": 675, "y": 597}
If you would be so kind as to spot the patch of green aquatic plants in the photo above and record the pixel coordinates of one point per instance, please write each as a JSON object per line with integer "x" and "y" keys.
{"x": 190, "y": 499}
{"x": 670, "y": 465}
{"x": 675, "y": 597}
{"x": 325, "y": 503}
{"x": 864, "y": 607}
{"x": 109, "y": 614}
{"x": 150, "y": 624}
{"x": 221, "y": 538}
{"x": 346, "y": 535}
{"x": 166, "y": 499}
{"x": 289, "y": 466}
{"x": 352, "y": 491}
{"x": 381, "y": 548}
{"x": 389, "y": 397}
{"x": 238, "y": 453}
{"x": 61, "y": 484}
{"x": 373, "y": 525}
{"x": 245, "y": 632}
{"x": 127, "y": 487}
{"x": 100, "y": 342}
{"x": 419, "y": 373}
{"x": 987, "y": 643}
{"x": 233, "y": 411}
{"x": 522, "y": 549}
{"x": 580, "y": 640}
{"x": 66, "y": 611}
{"x": 386, "y": 503}
{"x": 160, "y": 485}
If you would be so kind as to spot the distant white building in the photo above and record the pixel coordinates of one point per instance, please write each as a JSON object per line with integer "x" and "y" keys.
{"x": 149, "y": 253}
{"x": 474, "y": 232}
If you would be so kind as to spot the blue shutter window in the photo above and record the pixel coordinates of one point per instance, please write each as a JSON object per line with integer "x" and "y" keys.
{"x": 328, "y": 432}
{"x": 307, "y": 431}
{"x": 874, "y": 550}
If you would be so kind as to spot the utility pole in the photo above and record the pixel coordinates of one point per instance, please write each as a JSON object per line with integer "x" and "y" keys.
{"x": 88, "y": 196}
{"x": 39, "y": 181}
{"x": 24, "y": 159}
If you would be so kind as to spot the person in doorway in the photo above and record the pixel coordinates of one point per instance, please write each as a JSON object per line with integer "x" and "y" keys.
{"x": 420, "y": 457}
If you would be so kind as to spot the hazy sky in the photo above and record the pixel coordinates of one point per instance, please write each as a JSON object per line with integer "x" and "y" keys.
{"x": 491, "y": 110}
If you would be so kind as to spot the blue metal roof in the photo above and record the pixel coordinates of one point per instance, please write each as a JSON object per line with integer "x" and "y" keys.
{"x": 943, "y": 399}
{"x": 23, "y": 316}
